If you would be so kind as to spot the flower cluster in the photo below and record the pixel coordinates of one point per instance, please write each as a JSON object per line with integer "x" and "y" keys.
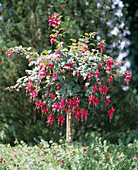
{"x": 76, "y": 79}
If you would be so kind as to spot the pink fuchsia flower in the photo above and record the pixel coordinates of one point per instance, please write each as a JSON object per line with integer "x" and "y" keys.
{"x": 84, "y": 148}
{"x": 30, "y": 148}
{"x": 136, "y": 168}
{"x": 9, "y": 54}
{"x": 33, "y": 95}
{"x": 52, "y": 39}
{"x": 43, "y": 154}
{"x": 14, "y": 154}
{"x": 127, "y": 79}
{"x": 29, "y": 80}
{"x": 134, "y": 158}
{"x": 58, "y": 86}
{"x": 97, "y": 73}
{"x": 42, "y": 73}
{"x": 89, "y": 76}
{"x": 108, "y": 68}
{"x": 101, "y": 47}
{"x": 29, "y": 87}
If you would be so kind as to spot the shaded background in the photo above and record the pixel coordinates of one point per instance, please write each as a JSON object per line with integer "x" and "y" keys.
{"x": 24, "y": 22}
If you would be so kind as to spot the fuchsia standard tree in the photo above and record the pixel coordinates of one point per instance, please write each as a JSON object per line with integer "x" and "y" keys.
{"x": 69, "y": 80}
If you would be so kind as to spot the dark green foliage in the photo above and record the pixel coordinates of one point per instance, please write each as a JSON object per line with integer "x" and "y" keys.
{"x": 132, "y": 21}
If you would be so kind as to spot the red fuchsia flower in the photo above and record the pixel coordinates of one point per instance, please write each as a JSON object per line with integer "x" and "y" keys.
{"x": 127, "y": 79}
{"x": 95, "y": 101}
{"x": 60, "y": 120}
{"x": 29, "y": 81}
{"x": 110, "y": 112}
{"x": 51, "y": 95}
{"x": 107, "y": 101}
{"x": 57, "y": 52}
{"x": 110, "y": 78}
{"x": 1, "y": 160}
{"x": 83, "y": 113}
{"x": 50, "y": 119}
{"x": 54, "y": 75}
{"x": 33, "y": 95}
{"x": 103, "y": 90}
{"x": 49, "y": 65}
{"x": 54, "y": 20}
{"x": 44, "y": 111}
{"x": 101, "y": 47}
{"x": 14, "y": 154}
{"x": 82, "y": 51}
{"x": 110, "y": 63}
{"x": 58, "y": 86}
{"x": 97, "y": 73}
{"x": 62, "y": 161}
{"x": 50, "y": 20}
{"x": 39, "y": 104}
{"x": 77, "y": 113}
{"x": 73, "y": 103}
{"x": 95, "y": 88}
{"x": 55, "y": 106}
{"x": 90, "y": 100}
{"x": 83, "y": 86}
{"x": 69, "y": 64}
{"x": 9, "y": 54}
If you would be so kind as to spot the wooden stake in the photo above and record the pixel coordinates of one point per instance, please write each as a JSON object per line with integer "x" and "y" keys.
{"x": 69, "y": 126}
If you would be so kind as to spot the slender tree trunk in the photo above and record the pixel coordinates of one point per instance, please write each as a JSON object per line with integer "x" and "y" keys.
{"x": 69, "y": 126}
